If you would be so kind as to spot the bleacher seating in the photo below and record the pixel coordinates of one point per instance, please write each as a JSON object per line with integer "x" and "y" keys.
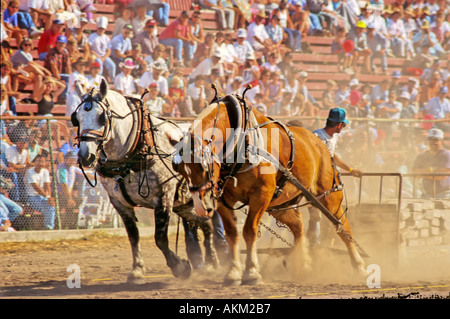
{"x": 321, "y": 65}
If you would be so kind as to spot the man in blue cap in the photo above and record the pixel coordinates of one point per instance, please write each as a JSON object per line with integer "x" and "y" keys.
{"x": 337, "y": 120}
{"x": 439, "y": 107}
{"x": 58, "y": 62}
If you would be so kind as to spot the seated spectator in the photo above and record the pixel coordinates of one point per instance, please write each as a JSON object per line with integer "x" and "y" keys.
{"x": 100, "y": 45}
{"x": 177, "y": 98}
{"x": 204, "y": 50}
{"x": 275, "y": 32}
{"x": 359, "y": 38}
{"x": 124, "y": 82}
{"x": 197, "y": 33}
{"x": 154, "y": 76}
{"x": 379, "y": 94}
{"x": 395, "y": 82}
{"x": 347, "y": 12}
{"x": 76, "y": 78}
{"x": 46, "y": 96}
{"x": 286, "y": 64}
{"x": 412, "y": 88}
{"x": 146, "y": 38}
{"x": 294, "y": 41}
{"x": 301, "y": 19}
{"x": 67, "y": 173}
{"x": 39, "y": 12}
{"x": 436, "y": 159}
{"x": 49, "y": 38}
{"x": 206, "y": 66}
{"x": 141, "y": 16}
{"x": 276, "y": 86}
{"x": 122, "y": 21}
{"x": 17, "y": 161}
{"x": 439, "y": 107}
{"x": 397, "y": 34}
{"x": 35, "y": 144}
{"x": 242, "y": 47}
{"x": 258, "y": 37}
{"x": 422, "y": 60}
{"x": 251, "y": 72}
{"x": 159, "y": 10}
{"x": 378, "y": 44}
{"x": 121, "y": 45}
{"x": 224, "y": 12}
{"x": 430, "y": 90}
{"x": 6, "y": 80}
{"x": 155, "y": 103}
{"x": 426, "y": 37}
{"x": 354, "y": 97}
{"x": 291, "y": 84}
{"x": 57, "y": 61}
{"x": 345, "y": 59}
{"x": 271, "y": 63}
{"x": 9, "y": 209}
{"x": 74, "y": 52}
{"x": 80, "y": 36}
{"x": 5, "y": 108}
{"x": 177, "y": 35}
{"x": 139, "y": 61}
{"x": 196, "y": 93}
{"x": 23, "y": 59}
{"x": 157, "y": 56}
{"x": 342, "y": 94}
{"x": 20, "y": 24}
{"x": 391, "y": 110}
{"x": 430, "y": 71}
{"x": 38, "y": 190}
{"x": 95, "y": 78}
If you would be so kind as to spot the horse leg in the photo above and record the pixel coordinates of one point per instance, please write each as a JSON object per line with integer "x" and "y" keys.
{"x": 257, "y": 208}
{"x": 233, "y": 276}
{"x": 188, "y": 213}
{"x": 180, "y": 268}
{"x": 129, "y": 220}
{"x": 347, "y": 237}
{"x": 292, "y": 218}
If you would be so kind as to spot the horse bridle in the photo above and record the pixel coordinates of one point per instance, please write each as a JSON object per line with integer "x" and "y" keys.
{"x": 207, "y": 157}
{"x": 105, "y": 120}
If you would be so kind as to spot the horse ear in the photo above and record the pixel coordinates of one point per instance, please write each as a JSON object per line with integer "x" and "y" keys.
{"x": 103, "y": 88}
{"x": 79, "y": 89}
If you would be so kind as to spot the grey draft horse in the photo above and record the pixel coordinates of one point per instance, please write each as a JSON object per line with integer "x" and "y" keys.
{"x": 128, "y": 148}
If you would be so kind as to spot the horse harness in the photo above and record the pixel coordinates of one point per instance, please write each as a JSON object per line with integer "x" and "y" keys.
{"x": 144, "y": 143}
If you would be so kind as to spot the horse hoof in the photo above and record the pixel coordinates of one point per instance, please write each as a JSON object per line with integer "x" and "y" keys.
{"x": 182, "y": 270}
{"x": 232, "y": 282}
{"x": 136, "y": 276}
{"x": 251, "y": 277}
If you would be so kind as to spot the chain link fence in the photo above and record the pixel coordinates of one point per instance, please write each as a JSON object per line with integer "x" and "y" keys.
{"x": 41, "y": 185}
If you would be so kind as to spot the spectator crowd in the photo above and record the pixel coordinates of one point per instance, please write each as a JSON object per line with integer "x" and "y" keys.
{"x": 177, "y": 60}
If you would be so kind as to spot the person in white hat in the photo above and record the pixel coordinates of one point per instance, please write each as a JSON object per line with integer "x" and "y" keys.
{"x": 434, "y": 160}
{"x": 205, "y": 67}
{"x": 154, "y": 76}
{"x": 124, "y": 82}
{"x": 242, "y": 46}
{"x": 99, "y": 44}
{"x": 258, "y": 36}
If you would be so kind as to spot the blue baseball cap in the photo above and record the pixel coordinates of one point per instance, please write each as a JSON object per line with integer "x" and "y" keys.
{"x": 396, "y": 74}
{"x": 338, "y": 115}
{"x": 58, "y": 21}
{"x": 443, "y": 89}
{"x": 62, "y": 39}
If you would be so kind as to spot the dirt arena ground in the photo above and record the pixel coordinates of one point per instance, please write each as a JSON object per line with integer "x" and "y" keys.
{"x": 39, "y": 270}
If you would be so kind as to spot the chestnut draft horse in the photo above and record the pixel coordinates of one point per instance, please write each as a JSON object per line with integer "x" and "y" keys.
{"x": 224, "y": 164}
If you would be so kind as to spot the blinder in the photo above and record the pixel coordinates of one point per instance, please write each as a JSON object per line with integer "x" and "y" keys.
{"x": 74, "y": 120}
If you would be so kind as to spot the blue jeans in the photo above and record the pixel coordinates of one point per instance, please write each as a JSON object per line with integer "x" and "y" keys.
{"x": 65, "y": 78}
{"x": 109, "y": 65}
{"x": 179, "y": 45}
{"x": 315, "y": 23}
{"x": 25, "y": 21}
{"x": 40, "y": 204}
{"x": 161, "y": 12}
{"x": 12, "y": 208}
{"x": 294, "y": 38}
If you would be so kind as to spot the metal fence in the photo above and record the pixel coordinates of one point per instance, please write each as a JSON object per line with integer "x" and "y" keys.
{"x": 63, "y": 199}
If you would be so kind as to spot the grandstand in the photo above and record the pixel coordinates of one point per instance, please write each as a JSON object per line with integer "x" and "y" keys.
{"x": 321, "y": 65}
